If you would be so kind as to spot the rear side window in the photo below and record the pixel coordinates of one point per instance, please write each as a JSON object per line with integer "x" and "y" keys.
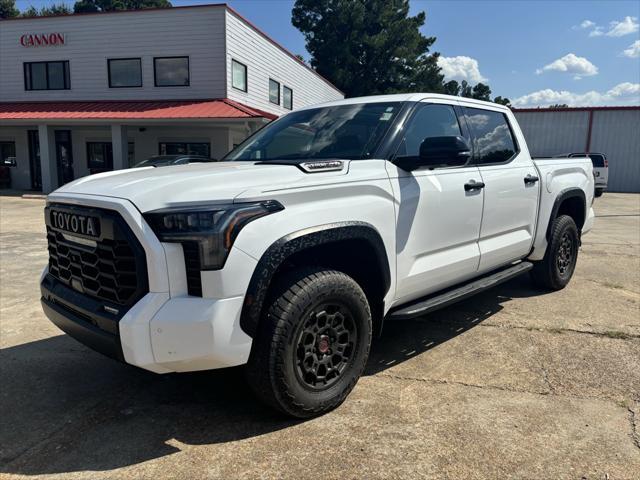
{"x": 597, "y": 160}
{"x": 492, "y": 138}
{"x": 429, "y": 121}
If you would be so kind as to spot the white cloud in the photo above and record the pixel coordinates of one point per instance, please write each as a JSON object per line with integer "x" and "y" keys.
{"x": 461, "y": 68}
{"x": 633, "y": 51}
{"x": 625, "y": 27}
{"x": 571, "y": 63}
{"x": 584, "y": 24}
{"x": 596, "y": 32}
{"x": 622, "y": 94}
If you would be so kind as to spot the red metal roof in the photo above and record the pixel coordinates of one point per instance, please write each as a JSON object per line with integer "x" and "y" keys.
{"x": 129, "y": 110}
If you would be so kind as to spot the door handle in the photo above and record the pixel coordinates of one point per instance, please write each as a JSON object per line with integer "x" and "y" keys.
{"x": 530, "y": 179}
{"x": 473, "y": 186}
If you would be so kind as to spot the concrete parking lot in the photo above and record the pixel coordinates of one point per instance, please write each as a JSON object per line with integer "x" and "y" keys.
{"x": 512, "y": 383}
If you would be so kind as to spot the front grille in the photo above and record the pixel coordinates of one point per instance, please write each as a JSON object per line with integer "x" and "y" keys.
{"x": 111, "y": 268}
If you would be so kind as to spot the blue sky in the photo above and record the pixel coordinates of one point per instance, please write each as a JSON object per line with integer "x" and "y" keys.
{"x": 537, "y": 52}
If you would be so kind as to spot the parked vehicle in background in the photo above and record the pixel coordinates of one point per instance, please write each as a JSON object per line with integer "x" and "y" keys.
{"x": 600, "y": 170}
{"x": 288, "y": 255}
{"x": 168, "y": 160}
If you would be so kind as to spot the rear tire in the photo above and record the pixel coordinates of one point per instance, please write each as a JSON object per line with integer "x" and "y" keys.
{"x": 559, "y": 262}
{"x": 599, "y": 192}
{"x": 312, "y": 343}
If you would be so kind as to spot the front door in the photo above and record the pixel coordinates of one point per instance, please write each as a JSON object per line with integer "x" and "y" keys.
{"x": 438, "y": 221}
{"x": 34, "y": 159}
{"x": 510, "y": 192}
{"x": 64, "y": 156}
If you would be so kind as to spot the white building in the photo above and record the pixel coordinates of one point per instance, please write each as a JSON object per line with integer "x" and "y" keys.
{"x": 93, "y": 92}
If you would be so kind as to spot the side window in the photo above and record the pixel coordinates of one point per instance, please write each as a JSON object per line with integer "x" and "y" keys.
{"x": 429, "y": 121}
{"x": 492, "y": 138}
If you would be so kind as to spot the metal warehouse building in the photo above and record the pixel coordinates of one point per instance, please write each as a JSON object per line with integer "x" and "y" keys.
{"x": 614, "y": 131}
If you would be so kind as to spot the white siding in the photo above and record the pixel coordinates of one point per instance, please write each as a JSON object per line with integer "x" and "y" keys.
{"x": 92, "y": 39}
{"x": 265, "y": 60}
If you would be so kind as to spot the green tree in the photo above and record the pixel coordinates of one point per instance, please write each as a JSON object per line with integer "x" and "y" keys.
{"x": 368, "y": 47}
{"x": 558, "y": 105}
{"x": 55, "y": 9}
{"x": 502, "y": 101}
{"x": 8, "y": 9}
{"x": 481, "y": 91}
{"x": 82, "y": 6}
{"x": 30, "y": 12}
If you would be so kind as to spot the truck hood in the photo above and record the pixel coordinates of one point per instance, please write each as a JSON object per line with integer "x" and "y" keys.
{"x": 152, "y": 188}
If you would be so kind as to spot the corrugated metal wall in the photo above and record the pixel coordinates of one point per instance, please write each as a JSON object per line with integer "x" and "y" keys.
{"x": 616, "y": 133}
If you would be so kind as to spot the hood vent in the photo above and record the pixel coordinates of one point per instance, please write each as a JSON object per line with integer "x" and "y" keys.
{"x": 323, "y": 166}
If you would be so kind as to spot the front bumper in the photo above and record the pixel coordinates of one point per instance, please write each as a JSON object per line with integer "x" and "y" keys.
{"x": 166, "y": 330}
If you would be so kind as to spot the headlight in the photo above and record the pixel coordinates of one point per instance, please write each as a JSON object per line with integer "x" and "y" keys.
{"x": 211, "y": 229}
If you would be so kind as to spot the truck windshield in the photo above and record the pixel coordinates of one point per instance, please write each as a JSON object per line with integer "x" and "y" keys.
{"x": 348, "y": 132}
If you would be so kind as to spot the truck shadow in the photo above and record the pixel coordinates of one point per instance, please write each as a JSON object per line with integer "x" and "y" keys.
{"x": 67, "y": 409}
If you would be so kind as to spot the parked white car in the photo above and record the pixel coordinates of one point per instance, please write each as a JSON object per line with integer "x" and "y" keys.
{"x": 289, "y": 254}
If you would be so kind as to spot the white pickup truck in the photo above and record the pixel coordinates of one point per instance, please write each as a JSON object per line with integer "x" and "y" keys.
{"x": 290, "y": 254}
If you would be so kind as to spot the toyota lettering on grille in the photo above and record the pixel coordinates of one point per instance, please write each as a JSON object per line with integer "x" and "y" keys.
{"x": 74, "y": 223}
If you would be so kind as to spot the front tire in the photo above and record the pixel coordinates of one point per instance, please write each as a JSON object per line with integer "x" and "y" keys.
{"x": 559, "y": 262}
{"x": 598, "y": 192}
{"x": 312, "y": 343}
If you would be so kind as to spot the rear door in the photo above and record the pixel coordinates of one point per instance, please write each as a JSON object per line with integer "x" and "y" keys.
{"x": 511, "y": 188}
{"x": 438, "y": 221}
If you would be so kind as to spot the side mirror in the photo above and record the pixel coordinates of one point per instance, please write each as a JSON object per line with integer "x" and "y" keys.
{"x": 444, "y": 151}
{"x": 9, "y": 162}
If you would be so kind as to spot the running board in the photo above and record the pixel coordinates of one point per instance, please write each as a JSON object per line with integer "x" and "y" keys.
{"x": 447, "y": 298}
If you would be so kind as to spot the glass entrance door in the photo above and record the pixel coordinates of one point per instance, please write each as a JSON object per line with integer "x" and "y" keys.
{"x": 64, "y": 157}
{"x": 34, "y": 160}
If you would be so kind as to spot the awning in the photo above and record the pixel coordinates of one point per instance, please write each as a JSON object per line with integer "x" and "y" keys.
{"x": 130, "y": 110}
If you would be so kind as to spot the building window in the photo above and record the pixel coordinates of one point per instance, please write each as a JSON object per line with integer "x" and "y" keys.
{"x": 492, "y": 138}
{"x": 274, "y": 92}
{"x": 171, "y": 71}
{"x": 46, "y": 75}
{"x": 99, "y": 156}
{"x": 238, "y": 75}
{"x": 124, "y": 72}
{"x": 185, "y": 148}
{"x": 7, "y": 154}
{"x": 287, "y": 98}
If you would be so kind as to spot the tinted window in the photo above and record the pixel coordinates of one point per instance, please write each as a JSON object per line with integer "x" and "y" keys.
{"x": 46, "y": 76}
{"x": 274, "y": 92}
{"x": 125, "y": 72}
{"x": 238, "y": 75}
{"x": 597, "y": 160}
{"x": 287, "y": 98}
{"x": 171, "y": 71}
{"x": 344, "y": 132}
{"x": 492, "y": 138}
{"x": 184, "y": 148}
{"x": 428, "y": 121}
{"x": 99, "y": 156}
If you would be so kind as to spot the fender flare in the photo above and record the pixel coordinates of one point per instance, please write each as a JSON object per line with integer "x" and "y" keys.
{"x": 295, "y": 242}
{"x": 562, "y": 196}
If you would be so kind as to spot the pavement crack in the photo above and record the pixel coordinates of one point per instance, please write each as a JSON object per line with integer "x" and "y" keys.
{"x": 634, "y": 428}
{"x": 607, "y": 334}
